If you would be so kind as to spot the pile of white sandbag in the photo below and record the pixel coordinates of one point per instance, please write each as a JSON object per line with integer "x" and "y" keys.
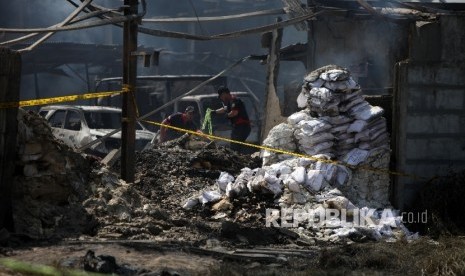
{"x": 309, "y": 187}
{"x": 346, "y": 142}
{"x": 339, "y": 123}
{"x": 331, "y": 94}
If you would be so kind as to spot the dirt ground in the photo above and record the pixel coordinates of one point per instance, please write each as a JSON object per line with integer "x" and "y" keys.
{"x": 102, "y": 224}
{"x": 441, "y": 257}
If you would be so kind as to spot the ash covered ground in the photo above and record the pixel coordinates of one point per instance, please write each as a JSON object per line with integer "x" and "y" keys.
{"x": 72, "y": 213}
{"x": 73, "y": 208}
{"x": 151, "y": 208}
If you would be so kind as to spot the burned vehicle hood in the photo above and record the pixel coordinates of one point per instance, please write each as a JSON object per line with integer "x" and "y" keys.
{"x": 140, "y": 134}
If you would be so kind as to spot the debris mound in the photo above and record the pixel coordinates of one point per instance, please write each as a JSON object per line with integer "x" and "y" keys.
{"x": 151, "y": 207}
{"x": 49, "y": 182}
{"x": 61, "y": 193}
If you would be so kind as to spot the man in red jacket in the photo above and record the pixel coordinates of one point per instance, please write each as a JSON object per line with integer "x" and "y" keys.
{"x": 234, "y": 108}
{"x": 180, "y": 120}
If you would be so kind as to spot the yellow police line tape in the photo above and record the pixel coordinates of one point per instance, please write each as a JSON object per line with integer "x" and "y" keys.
{"x": 213, "y": 137}
{"x": 60, "y": 99}
{"x": 127, "y": 88}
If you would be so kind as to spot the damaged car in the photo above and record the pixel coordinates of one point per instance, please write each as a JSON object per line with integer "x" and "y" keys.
{"x": 77, "y": 126}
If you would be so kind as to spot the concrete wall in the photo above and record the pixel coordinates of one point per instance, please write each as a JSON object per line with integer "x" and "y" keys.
{"x": 430, "y": 106}
{"x": 368, "y": 46}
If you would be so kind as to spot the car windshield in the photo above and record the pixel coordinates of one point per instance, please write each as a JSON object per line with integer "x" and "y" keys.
{"x": 99, "y": 119}
{"x": 103, "y": 119}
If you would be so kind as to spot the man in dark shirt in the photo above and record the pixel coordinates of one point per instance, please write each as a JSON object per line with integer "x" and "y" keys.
{"x": 237, "y": 114}
{"x": 180, "y": 120}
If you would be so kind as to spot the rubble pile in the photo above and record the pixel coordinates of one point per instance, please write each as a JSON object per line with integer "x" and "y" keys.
{"x": 348, "y": 151}
{"x": 196, "y": 196}
{"x": 49, "y": 182}
{"x": 70, "y": 194}
{"x": 151, "y": 207}
{"x": 59, "y": 192}
{"x": 202, "y": 192}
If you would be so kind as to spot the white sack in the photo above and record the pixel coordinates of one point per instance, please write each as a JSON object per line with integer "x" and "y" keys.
{"x": 190, "y": 203}
{"x": 346, "y": 85}
{"x": 292, "y": 185}
{"x": 209, "y": 196}
{"x": 337, "y": 120}
{"x": 314, "y": 180}
{"x": 317, "y": 149}
{"x": 313, "y": 126}
{"x": 355, "y": 157}
{"x": 299, "y": 175}
{"x": 334, "y": 75}
{"x": 302, "y": 100}
{"x": 314, "y": 139}
{"x": 368, "y": 113}
{"x": 315, "y": 84}
{"x": 340, "y": 128}
{"x": 297, "y": 117}
{"x": 223, "y": 180}
{"x": 343, "y": 175}
{"x": 328, "y": 170}
{"x": 324, "y": 94}
{"x": 357, "y": 126}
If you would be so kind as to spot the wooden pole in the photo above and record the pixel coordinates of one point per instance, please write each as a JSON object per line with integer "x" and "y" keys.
{"x": 128, "y": 121}
{"x": 10, "y": 77}
{"x": 311, "y": 41}
{"x": 272, "y": 107}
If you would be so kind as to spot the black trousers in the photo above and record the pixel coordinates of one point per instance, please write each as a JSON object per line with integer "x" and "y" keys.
{"x": 240, "y": 133}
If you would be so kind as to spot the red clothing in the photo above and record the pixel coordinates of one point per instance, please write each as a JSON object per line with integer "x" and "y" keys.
{"x": 242, "y": 118}
{"x": 178, "y": 120}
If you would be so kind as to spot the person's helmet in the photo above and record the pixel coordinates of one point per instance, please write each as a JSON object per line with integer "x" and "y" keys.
{"x": 190, "y": 109}
{"x": 222, "y": 89}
